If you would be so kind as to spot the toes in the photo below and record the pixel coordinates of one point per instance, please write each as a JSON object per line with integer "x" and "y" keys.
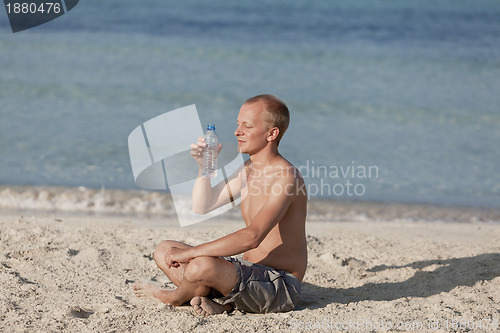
{"x": 196, "y": 301}
{"x": 199, "y": 311}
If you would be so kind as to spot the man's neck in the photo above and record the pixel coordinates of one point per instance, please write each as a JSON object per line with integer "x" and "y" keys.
{"x": 265, "y": 157}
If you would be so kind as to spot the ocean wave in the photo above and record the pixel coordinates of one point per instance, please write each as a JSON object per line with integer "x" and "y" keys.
{"x": 83, "y": 199}
{"x": 344, "y": 210}
{"x": 141, "y": 202}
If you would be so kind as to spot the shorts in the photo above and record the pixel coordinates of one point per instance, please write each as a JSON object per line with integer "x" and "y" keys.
{"x": 261, "y": 289}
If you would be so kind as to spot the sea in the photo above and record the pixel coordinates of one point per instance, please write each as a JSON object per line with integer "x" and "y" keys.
{"x": 392, "y": 102}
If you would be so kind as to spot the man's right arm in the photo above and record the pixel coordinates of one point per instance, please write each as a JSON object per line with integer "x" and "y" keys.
{"x": 206, "y": 198}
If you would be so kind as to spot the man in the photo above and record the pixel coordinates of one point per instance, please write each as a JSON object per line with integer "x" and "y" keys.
{"x": 273, "y": 206}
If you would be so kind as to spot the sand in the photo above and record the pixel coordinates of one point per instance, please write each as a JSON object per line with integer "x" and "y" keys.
{"x": 74, "y": 274}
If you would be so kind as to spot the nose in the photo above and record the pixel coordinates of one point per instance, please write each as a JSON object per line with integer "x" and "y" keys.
{"x": 237, "y": 132}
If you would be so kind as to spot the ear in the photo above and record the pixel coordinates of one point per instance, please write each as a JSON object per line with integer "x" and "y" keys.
{"x": 273, "y": 134}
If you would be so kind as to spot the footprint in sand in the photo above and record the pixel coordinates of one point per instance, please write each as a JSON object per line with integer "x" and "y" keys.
{"x": 353, "y": 263}
{"x": 85, "y": 313}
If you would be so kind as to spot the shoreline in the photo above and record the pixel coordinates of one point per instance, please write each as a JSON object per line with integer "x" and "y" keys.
{"x": 153, "y": 204}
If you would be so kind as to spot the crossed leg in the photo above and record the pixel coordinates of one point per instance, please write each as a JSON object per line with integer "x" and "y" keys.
{"x": 194, "y": 281}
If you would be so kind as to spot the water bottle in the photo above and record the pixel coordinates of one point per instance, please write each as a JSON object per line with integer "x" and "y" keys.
{"x": 209, "y": 165}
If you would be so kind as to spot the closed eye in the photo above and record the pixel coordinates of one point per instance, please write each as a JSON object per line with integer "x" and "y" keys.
{"x": 246, "y": 125}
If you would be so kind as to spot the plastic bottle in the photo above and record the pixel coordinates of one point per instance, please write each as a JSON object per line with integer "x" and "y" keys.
{"x": 209, "y": 165}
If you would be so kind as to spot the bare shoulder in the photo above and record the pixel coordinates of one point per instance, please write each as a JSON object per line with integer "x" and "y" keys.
{"x": 287, "y": 175}
{"x": 287, "y": 170}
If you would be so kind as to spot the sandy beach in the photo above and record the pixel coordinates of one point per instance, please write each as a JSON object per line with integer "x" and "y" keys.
{"x": 74, "y": 274}
{"x": 394, "y": 126}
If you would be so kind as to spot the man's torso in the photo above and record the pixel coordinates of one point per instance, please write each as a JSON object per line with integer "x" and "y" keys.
{"x": 285, "y": 245}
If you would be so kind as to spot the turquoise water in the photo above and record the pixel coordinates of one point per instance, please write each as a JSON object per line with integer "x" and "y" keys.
{"x": 409, "y": 89}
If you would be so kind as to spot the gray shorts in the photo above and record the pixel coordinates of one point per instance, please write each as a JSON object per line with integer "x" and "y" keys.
{"x": 261, "y": 289}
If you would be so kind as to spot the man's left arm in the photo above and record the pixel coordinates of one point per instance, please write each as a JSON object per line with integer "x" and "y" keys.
{"x": 247, "y": 238}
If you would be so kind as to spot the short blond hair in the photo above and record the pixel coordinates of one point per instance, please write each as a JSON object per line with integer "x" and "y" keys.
{"x": 277, "y": 114}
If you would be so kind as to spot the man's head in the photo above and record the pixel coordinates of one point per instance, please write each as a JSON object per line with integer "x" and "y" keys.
{"x": 262, "y": 121}
{"x": 276, "y": 112}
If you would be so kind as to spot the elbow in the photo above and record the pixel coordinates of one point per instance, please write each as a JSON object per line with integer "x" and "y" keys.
{"x": 254, "y": 240}
{"x": 199, "y": 210}
{"x": 200, "y": 207}
{"x": 253, "y": 245}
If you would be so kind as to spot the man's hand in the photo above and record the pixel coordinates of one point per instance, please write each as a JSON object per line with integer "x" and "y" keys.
{"x": 176, "y": 256}
{"x": 197, "y": 149}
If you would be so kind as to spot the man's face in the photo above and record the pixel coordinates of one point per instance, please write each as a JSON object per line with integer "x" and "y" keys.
{"x": 252, "y": 131}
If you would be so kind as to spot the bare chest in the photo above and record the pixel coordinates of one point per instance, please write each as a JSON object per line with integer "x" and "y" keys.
{"x": 254, "y": 195}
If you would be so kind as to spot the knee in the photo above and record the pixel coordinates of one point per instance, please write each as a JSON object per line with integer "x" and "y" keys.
{"x": 161, "y": 251}
{"x": 199, "y": 269}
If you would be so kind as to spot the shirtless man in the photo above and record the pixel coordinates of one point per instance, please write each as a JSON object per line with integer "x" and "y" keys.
{"x": 273, "y": 205}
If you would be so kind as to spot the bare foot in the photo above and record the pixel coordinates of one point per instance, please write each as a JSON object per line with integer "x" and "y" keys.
{"x": 204, "y": 306}
{"x": 151, "y": 291}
